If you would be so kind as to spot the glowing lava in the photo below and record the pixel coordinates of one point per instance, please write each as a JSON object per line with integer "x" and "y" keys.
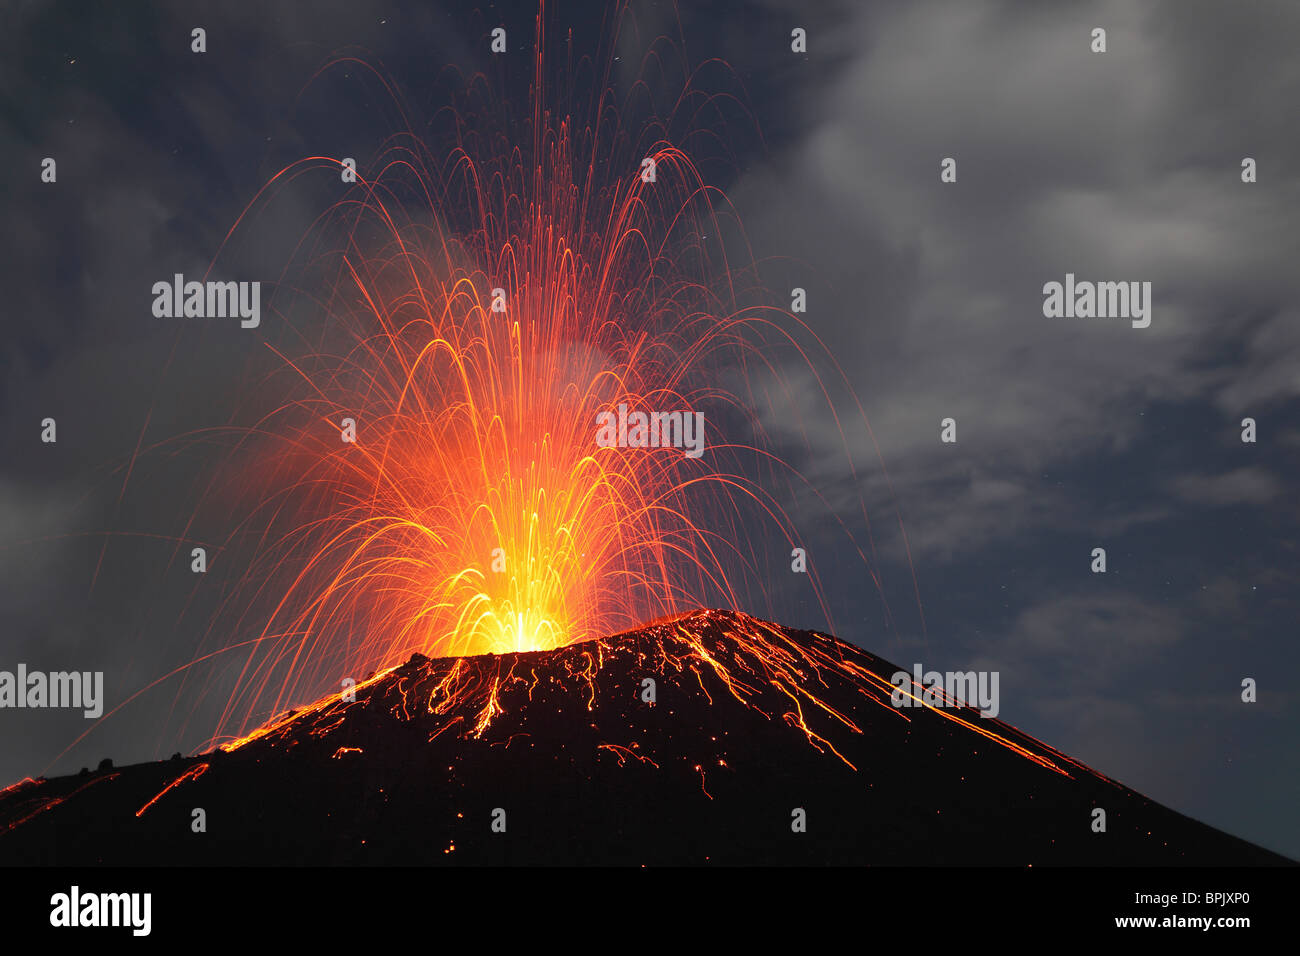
{"x": 426, "y": 469}
{"x": 430, "y": 478}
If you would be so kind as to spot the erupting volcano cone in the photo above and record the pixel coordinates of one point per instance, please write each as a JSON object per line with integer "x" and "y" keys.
{"x": 707, "y": 738}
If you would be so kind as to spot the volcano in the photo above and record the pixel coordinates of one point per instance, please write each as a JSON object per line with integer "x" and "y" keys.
{"x": 709, "y": 738}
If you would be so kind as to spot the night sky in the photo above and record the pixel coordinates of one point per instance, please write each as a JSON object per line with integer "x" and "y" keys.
{"x": 1072, "y": 434}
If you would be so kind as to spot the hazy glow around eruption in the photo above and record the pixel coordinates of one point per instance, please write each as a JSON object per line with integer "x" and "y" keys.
{"x": 485, "y": 302}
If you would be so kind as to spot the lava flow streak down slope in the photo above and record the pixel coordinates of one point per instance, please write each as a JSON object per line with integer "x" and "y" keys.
{"x": 560, "y": 757}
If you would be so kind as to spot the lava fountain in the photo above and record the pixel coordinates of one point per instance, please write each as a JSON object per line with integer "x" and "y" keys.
{"x": 431, "y": 474}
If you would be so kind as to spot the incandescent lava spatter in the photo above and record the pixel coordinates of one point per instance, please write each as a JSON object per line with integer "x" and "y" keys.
{"x": 698, "y": 739}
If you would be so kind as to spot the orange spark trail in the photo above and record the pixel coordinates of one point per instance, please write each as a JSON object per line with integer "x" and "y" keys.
{"x": 191, "y": 774}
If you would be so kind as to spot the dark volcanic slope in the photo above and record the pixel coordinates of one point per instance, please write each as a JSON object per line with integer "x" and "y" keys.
{"x": 750, "y": 722}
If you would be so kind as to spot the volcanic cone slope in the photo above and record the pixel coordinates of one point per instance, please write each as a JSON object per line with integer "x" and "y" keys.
{"x": 708, "y": 738}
